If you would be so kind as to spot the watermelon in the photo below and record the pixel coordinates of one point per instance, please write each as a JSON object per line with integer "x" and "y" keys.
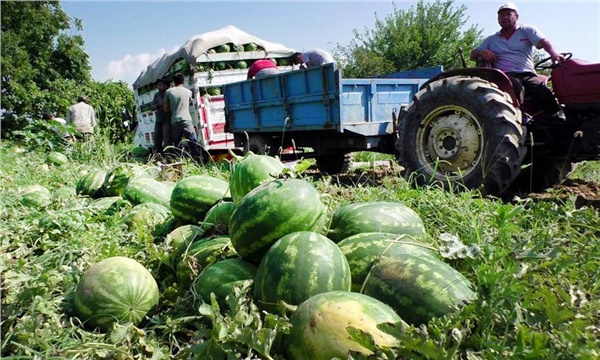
{"x": 220, "y": 65}
{"x": 282, "y": 62}
{"x": 375, "y": 216}
{"x": 193, "y": 196}
{"x": 109, "y": 205}
{"x": 140, "y": 152}
{"x": 320, "y": 326}
{"x": 91, "y": 183}
{"x": 222, "y": 48}
{"x": 118, "y": 177}
{"x": 145, "y": 189}
{"x": 180, "y": 238}
{"x": 220, "y": 278}
{"x": 241, "y": 65}
{"x": 250, "y": 171}
{"x": 217, "y": 218}
{"x": 199, "y": 255}
{"x": 56, "y": 158}
{"x": 239, "y": 48}
{"x": 117, "y": 289}
{"x": 363, "y": 250}
{"x": 250, "y": 47}
{"x": 36, "y": 196}
{"x": 298, "y": 266}
{"x": 418, "y": 288}
{"x": 271, "y": 211}
{"x": 214, "y": 91}
{"x": 147, "y": 216}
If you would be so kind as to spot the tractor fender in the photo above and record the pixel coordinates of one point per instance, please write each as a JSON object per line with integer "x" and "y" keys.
{"x": 494, "y": 76}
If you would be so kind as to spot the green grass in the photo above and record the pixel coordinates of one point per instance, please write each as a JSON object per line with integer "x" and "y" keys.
{"x": 534, "y": 265}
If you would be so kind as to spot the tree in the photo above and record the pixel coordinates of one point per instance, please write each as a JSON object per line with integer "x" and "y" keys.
{"x": 427, "y": 34}
{"x": 38, "y": 57}
{"x": 45, "y": 67}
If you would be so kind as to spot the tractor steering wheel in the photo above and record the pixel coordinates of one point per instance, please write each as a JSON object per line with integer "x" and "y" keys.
{"x": 547, "y": 64}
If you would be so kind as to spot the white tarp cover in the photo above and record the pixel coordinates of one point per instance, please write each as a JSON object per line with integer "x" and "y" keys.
{"x": 199, "y": 45}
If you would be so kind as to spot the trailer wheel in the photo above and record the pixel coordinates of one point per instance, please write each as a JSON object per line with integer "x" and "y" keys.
{"x": 257, "y": 144}
{"x": 462, "y": 133}
{"x": 335, "y": 163}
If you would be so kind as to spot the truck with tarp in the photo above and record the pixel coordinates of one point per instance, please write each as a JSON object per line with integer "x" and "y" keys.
{"x": 208, "y": 61}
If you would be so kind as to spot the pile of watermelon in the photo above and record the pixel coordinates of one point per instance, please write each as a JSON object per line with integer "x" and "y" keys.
{"x": 332, "y": 271}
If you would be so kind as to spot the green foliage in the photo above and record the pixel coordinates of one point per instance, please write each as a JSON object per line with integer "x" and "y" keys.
{"x": 39, "y": 58}
{"x": 427, "y": 34}
{"x": 45, "y": 67}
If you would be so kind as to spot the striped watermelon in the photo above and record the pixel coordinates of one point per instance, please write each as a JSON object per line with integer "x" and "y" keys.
{"x": 91, "y": 183}
{"x": 145, "y": 189}
{"x": 118, "y": 177}
{"x": 320, "y": 326}
{"x": 418, "y": 288}
{"x": 56, "y": 158}
{"x": 109, "y": 205}
{"x": 298, "y": 266}
{"x": 363, "y": 250}
{"x": 36, "y": 196}
{"x": 217, "y": 218}
{"x": 220, "y": 278}
{"x": 193, "y": 196}
{"x": 117, "y": 289}
{"x": 199, "y": 255}
{"x": 251, "y": 171}
{"x": 271, "y": 211}
{"x": 375, "y": 216}
{"x": 146, "y": 216}
{"x": 180, "y": 238}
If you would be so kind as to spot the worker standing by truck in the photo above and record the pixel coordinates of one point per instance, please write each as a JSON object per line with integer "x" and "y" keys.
{"x": 262, "y": 68}
{"x": 178, "y": 100}
{"x": 162, "y": 124}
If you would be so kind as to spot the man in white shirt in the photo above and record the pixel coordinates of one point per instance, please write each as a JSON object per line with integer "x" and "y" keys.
{"x": 82, "y": 116}
{"x": 312, "y": 58}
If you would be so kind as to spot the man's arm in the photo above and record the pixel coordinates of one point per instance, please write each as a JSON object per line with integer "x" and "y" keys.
{"x": 167, "y": 105}
{"x": 486, "y": 55}
{"x": 547, "y": 46}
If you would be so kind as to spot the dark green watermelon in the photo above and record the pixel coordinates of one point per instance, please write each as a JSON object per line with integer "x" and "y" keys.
{"x": 375, "y": 216}
{"x": 298, "y": 266}
{"x": 273, "y": 210}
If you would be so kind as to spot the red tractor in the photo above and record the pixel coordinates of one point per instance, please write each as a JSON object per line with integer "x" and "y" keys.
{"x": 466, "y": 128}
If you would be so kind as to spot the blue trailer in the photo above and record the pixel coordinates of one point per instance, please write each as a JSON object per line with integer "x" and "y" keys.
{"x": 318, "y": 111}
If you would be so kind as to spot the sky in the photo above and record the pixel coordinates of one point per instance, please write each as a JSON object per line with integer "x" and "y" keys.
{"x": 123, "y": 37}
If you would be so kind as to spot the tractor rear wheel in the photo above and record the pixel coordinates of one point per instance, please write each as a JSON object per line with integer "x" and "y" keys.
{"x": 462, "y": 133}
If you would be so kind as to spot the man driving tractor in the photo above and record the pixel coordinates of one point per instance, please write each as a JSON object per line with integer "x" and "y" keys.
{"x": 511, "y": 51}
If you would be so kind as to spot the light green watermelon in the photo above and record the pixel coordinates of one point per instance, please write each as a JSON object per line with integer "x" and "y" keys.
{"x": 91, "y": 183}
{"x": 250, "y": 171}
{"x": 298, "y": 266}
{"x": 273, "y": 210}
{"x": 147, "y": 216}
{"x": 193, "y": 196}
{"x": 220, "y": 278}
{"x": 199, "y": 255}
{"x": 217, "y": 218}
{"x": 321, "y": 326}
{"x": 146, "y": 189}
{"x": 180, "y": 238}
{"x": 117, "y": 289}
{"x": 36, "y": 196}
{"x": 375, "y": 216}
{"x": 118, "y": 177}
{"x": 56, "y": 158}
